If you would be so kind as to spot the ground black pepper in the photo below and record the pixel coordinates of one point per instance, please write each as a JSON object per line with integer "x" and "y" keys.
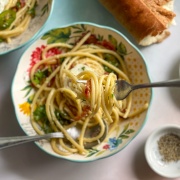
{"x": 169, "y": 147}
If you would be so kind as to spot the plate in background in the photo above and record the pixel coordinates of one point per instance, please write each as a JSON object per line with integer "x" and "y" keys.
{"x": 43, "y": 13}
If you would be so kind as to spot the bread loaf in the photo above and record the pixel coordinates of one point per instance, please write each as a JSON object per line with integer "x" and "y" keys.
{"x": 146, "y": 20}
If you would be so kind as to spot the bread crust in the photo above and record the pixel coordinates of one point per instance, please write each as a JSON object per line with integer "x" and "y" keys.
{"x": 138, "y": 18}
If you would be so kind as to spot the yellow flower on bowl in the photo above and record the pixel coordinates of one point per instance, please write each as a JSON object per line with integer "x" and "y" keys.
{"x": 25, "y": 108}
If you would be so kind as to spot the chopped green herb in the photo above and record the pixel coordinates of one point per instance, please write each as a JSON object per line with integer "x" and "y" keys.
{"x": 46, "y": 127}
{"x": 62, "y": 117}
{"x": 112, "y": 60}
{"x": 39, "y": 76}
{"x": 107, "y": 69}
{"x": 61, "y": 60}
{"x": 18, "y": 4}
{"x": 32, "y": 12}
{"x": 83, "y": 68}
{"x": 1, "y": 40}
{"x": 40, "y": 113}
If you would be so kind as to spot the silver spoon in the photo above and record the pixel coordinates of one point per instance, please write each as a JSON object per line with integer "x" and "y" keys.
{"x": 123, "y": 88}
{"x": 6, "y": 142}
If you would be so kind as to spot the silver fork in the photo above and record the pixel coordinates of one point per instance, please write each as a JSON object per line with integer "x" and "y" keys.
{"x": 6, "y": 142}
{"x": 74, "y": 132}
{"x": 123, "y": 88}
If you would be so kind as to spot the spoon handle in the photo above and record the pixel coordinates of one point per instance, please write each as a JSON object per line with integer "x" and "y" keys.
{"x": 171, "y": 83}
{"x": 6, "y": 142}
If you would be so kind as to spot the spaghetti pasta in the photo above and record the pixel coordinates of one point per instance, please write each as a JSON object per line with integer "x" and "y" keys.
{"x": 15, "y": 18}
{"x": 61, "y": 102}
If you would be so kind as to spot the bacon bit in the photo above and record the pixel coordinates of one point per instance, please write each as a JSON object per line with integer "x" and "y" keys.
{"x": 123, "y": 110}
{"x": 72, "y": 65}
{"x": 85, "y": 110}
{"x": 23, "y": 3}
{"x": 73, "y": 109}
{"x": 51, "y": 82}
{"x": 87, "y": 90}
{"x": 106, "y": 73}
{"x": 19, "y": 5}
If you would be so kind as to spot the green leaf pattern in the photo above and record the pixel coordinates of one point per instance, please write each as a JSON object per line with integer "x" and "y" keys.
{"x": 65, "y": 34}
{"x": 45, "y": 8}
{"x": 112, "y": 40}
{"x": 113, "y": 143}
{"x": 121, "y": 49}
{"x": 57, "y": 35}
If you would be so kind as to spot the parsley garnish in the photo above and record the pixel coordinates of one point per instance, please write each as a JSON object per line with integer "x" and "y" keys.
{"x": 40, "y": 115}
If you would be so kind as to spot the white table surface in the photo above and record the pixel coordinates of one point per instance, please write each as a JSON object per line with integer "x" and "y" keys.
{"x": 29, "y": 162}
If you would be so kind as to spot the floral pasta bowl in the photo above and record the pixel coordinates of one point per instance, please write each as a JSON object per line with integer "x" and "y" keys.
{"x": 23, "y": 30}
{"x": 48, "y": 97}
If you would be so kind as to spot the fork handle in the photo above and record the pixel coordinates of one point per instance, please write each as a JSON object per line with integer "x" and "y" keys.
{"x": 6, "y": 142}
{"x": 171, "y": 83}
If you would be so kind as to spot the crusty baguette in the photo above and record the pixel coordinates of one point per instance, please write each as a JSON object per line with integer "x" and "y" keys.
{"x": 146, "y": 20}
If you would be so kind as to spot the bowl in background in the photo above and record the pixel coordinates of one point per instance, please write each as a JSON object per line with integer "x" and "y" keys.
{"x": 128, "y": 129}
{"x": 168, "y": 169}
{"x": 42, "y": 14}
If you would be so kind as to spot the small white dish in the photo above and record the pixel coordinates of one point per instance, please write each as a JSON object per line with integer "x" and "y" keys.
{"x": 153, "y": 157}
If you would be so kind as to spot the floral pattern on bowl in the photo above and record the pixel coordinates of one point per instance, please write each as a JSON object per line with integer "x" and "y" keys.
{"x": 43, "y": 12}
{"x": 22, "y": 90}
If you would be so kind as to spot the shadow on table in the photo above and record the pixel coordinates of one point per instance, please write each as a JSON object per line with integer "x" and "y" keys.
{"x": 24, "y": 159}
{"x": 175, "y": 92}
{"x": 142, "y": 169}
{"x": 30, "y": 162}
